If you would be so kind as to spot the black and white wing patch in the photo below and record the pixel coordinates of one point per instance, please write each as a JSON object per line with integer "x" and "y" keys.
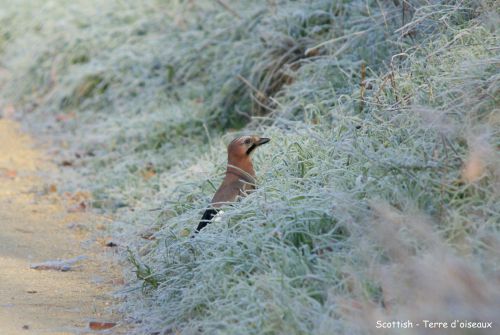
{"x": 210, "y": 215}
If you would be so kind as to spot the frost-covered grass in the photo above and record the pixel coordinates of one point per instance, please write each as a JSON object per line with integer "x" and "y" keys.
{"x": 378, "y": 196}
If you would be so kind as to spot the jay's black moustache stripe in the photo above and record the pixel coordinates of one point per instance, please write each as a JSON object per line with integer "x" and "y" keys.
{"x": 251, "y": 149}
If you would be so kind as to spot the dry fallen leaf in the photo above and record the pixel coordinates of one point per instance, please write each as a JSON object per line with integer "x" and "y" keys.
{"x": 58, "y": 265}
{"x": 95, "y": 325}
{"x": 80, "y": 207}
{"x": 479, "y": 157}
{"x": 65, "y": 117}
{"x": 118, "y": 281}
{"x": 78, "y": 201}
{"x": 148, "y": 172}
{"x": 474, "y": 167}
{"x": 8, "y": 173}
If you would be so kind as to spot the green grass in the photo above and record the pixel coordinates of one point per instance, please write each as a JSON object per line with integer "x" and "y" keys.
{"x": 378, "y": 196}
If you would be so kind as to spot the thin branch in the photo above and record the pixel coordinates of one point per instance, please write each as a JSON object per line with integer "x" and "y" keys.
{"x": 229, "y": 9}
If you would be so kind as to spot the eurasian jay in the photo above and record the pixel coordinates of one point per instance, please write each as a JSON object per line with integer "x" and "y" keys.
{"x": 240, "y": 176}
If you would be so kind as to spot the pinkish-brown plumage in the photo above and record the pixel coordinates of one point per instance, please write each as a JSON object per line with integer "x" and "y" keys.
{"x": 240, "y": 175}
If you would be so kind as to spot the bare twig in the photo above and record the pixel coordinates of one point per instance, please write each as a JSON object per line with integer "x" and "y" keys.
{"x": 260, "y": 96}
{"x": 309, "y": 51}
{"x": 229, "y": 9}
{"x": 362, "y": 87}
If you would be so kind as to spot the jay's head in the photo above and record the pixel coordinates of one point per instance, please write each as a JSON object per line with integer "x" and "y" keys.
{"x": 241, "y": 147}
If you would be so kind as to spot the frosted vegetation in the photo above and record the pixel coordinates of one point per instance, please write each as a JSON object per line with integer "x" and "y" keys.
{"x": 379, "y": 195}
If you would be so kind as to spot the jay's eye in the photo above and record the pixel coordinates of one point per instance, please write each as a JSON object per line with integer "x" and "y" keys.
{"x": 247, "y": 141}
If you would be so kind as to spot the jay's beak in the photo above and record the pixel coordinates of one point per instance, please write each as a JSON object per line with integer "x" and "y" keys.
{"x": 262, "y": 140}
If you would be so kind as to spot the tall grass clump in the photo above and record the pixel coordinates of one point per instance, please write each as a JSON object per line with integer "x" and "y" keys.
{"x": 378, "y": 197}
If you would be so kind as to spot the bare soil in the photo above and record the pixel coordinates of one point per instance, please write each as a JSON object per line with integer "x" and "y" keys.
{"x": 38, "y": 224}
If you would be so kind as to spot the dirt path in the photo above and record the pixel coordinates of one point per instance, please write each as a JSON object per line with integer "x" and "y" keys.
{"x": 35, "y": 226}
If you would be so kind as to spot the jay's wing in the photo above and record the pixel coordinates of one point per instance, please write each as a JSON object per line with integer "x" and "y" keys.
{"x": 227, "y": 193}
{"x": 206, "y": 218}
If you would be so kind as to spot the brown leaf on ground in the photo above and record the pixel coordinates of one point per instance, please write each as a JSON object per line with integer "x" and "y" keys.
{"x": 80, "y": 207}
{"x": 78, "y": 201}
{"x": 8, "y": 173}
{"x": 65, "y": 117}
{"x": 58, "y": 265}
{"x": 96, "y": 325}
{"x": 148, "y": 172}
{"x": 474, "y": 168}
{"x": 66, "y": 163}
{"x": 479, "y": 157}
{"x": 118, "y": 281}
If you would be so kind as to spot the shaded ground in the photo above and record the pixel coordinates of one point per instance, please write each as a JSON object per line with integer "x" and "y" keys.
{"x": 36, "y": 226}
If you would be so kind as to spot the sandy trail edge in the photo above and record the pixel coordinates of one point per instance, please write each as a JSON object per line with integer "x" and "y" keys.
{"x": 34, "y": 228}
